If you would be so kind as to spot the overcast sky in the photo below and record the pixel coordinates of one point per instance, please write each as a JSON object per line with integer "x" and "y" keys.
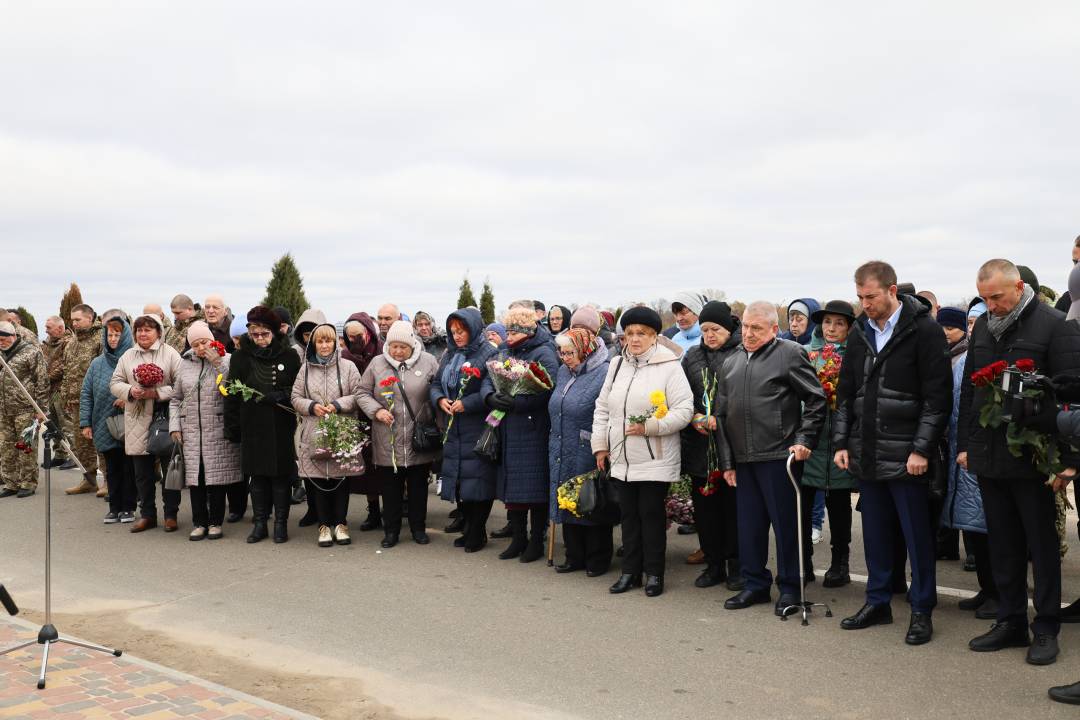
{"x": 584, "y": 151}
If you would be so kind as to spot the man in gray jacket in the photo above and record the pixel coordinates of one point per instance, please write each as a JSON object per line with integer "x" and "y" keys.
{"x": 772, "y": 406}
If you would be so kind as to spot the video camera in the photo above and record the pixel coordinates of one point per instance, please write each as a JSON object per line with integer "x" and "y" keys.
{"x": 1027, "y": 393}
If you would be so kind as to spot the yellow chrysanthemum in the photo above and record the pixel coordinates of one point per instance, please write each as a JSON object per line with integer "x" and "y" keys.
{"x": 657, "y": 397}
{"x": 661, "y": 411}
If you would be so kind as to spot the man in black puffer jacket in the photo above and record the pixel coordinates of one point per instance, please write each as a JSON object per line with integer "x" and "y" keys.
{"x": 893, "y": 405}
{"x": 1019, "y": 505}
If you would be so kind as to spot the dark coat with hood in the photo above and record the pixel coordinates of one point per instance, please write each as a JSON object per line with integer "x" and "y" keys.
{"x": 522, "y": 475}
{"x": 265, "y": 430}
{"x": 695, "y": 446}
{"x": 96, "y": 401}
{"x": 571, "y": 411}
{"x": 894, "y": 402}
{"x": 360, "y": 353}
{"x": 808, "y": 334}
{"x": 464, "y": 475}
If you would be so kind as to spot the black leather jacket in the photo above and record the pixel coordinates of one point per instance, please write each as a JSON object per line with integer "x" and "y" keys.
{"x": 770, "y": 401}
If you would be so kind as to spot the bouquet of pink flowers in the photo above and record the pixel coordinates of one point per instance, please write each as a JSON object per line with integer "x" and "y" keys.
{"x": 514, "y": 377}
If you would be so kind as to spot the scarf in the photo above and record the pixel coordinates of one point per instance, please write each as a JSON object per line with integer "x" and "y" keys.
{"x": 998, "y": 325}
{"x": 582, "y": 341}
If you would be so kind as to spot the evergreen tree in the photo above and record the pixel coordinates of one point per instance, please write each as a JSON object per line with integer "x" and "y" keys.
{"x": 487, "y": 303}
{"x": 286, "y": 288}
{"x": 465, "y": 295}
{"x": 71, "y": 298}
{"x": 28, "y": 320}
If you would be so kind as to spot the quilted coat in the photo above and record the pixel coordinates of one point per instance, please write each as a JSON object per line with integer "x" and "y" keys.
{"x": 197, "y": 411}
{"x": 139, "y": 413}
{"x": 96, "y": 401}
{"x": 963, "y": 507}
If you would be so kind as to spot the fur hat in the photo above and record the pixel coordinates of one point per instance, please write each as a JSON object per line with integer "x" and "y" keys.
{"x": 952, "y": 318}
{"x": 262, "y": 315}
{"x": 641, "y": 315}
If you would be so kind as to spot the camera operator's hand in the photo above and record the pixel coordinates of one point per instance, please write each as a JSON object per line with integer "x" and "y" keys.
{"x": 1044, "y": 420}
{"x": 1063, "y": 478}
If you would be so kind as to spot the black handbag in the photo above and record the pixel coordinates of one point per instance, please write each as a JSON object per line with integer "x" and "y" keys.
{"x": 158, "y": 441}
{"x": 598, "y": 498}
{"x": 425, "y": 436}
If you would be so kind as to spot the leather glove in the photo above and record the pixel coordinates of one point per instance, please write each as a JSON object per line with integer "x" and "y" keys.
{"x": 499, "y": 401}
{"x": 1045, "y": 420}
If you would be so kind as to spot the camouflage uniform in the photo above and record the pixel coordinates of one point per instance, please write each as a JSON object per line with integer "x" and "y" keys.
{"x": 53, "y": 349}
{"x": 176, "y": 336}
{"x": 79, "y": 351}
{"x": 18, "y": 469}
{"x": 27, "y": 336}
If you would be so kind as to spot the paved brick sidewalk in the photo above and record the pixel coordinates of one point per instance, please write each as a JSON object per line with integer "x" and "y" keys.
{"x": 86, "y": 684}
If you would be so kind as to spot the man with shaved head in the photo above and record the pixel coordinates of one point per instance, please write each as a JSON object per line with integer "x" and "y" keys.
{"x": 1019, "y": 505}
{"x": 216, "y": 313}
{"x": 184, "y": 314}
{"x": 388, "y": 314}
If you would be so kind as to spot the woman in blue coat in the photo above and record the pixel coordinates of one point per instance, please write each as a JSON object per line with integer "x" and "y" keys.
{"x": 522, "y": 474}
{"x": 585, "y": 363}
{"x": 466, "y": 477}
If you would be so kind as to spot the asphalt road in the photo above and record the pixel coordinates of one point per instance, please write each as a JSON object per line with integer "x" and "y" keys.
{"x": 431, "y": 631}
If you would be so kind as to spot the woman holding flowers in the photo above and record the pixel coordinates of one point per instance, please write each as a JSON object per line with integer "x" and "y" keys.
{"x": 826, "y": 352}
{"x": 644, "y": 404}
{"x": 324, "y": 396}
{"x": 143, "y": 377}
{"x": 394, "y": 394}
{"x": 196, "y": 421}
{"x": 522, "y": 472}
{"x": 455, "y": 390}
{"x": 258, "y": 415}
{"x": 584, "y": 367}
{"x": 704, "y": 443}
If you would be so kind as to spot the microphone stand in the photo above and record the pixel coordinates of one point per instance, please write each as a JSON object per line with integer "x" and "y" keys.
{"x": 48, "y": 634}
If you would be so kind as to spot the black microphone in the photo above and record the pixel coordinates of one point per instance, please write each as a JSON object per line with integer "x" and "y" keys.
{"x": 7, "y": 602}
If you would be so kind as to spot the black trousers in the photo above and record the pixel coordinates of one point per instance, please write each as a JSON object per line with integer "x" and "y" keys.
{"x": 978, "y": 544}
{"x": 146, "y": 480}
{"x": 237, "y": 493}
{"x": 207, "y": 502}
{"x": 588, "y": 546}
{"x": 766, "y": 498}
{"x": 716, "y": 518}
{"x": 838, "y": 506}
{"x": 1020, "y": 517}
{"x": 120, "y": 479}
{"x": 393, "y": 493}
{"x": 644, "y": 526}
{"x": 331, "y": 497}
{"x": 271, "y": 491}
{"x": 476, "y": 515}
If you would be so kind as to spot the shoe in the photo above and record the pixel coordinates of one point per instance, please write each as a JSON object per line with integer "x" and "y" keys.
{"x": 389, "y": 540}
{"x": 326, "y": 539}
{"x": 214, "y": 532}
{"x": 568, "y": 567}
{"x": 1068, "y": 694}
{"x": 281, "y": 531}
{"x": 455, "y": 513}
{"x": 696, "y": 558}
{"x": 258, "y": 532}
{"x": 1071, "y": 613}
{"x": 1043, "y": 650}
{"x": 838, "y": 574}
{"x": 746, "y": 598}
{"x": 687, "y": 529}
{"x": 84, "y": 486}
{"x": 712, "y": 575}
{"x": 457, "y": 525}
{"x": 476, "y": 548}
{"x": 308, "y": 520}
{"x": 198, "y": 533}
{"x": 8, "y": 492}
{"x": 735, "y": 581}
{"x": 298, "y": 495}
{"x": 103, "y": 492}
{"x": 127, "y": 517}
{"x": 624, "y": 583}
{"x": 597, "y": 573}
{"x": 420, "y": 537}
{"x": 973, "y": 603}
{"x": 144, "y": 524}
{"x": 459, "y": 541}
{"x": 234, "y": 517}
{"x": 341, "y": 535}
{"x": 867, "y": 616}
{"x": 504, "y": 532}
{"x": 988, "y": 610}
{"x": 68, "y": 465}
{"x": 1001, "y": 635}
{"x": 373, "y": 521}
{"x": 969, "y": 563}
{"x": 654, "y": 585}
{"x": 171, "y": 525}
{"x": 534, "y": 550}
{"x": 786, "y": 604}
{"x": 816, "y": 536}
{"x": 519, "y": 535}
{"x": 112, "y": 518}
{"x": 25, "y": 492}
{"x": 920, "y": 629}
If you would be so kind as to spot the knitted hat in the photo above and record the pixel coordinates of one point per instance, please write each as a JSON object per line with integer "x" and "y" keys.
{"x": 7, "y": 329}
{"x": 497, "y": 328}
{"x": 284, "y": 314}
{"x": 799, "y": 307}
{"x": 586, "y": 317}
{"x": 952, "y": 318}
{"x": 238, "y": 327}
{"x": 641, "y": 315}
{"x": 401, "y": 331}
{"x": 692, "y": 301}
{"x": 262, "y": 315}
{"x": 609, "y": 318}
{"x": 719, "y": 313}
{"x": 977, "y": 309}
{"x": 199, "y": 330}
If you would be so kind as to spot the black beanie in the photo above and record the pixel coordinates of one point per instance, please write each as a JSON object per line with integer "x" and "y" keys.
{"x": 719, "y": 313}
{"x": 286, "y": 317}
{"x": 642, "y": 316}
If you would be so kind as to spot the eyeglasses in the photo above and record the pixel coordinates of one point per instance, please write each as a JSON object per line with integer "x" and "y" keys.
{"x": 568, "y": 353}
{"x": 257, "y": 335}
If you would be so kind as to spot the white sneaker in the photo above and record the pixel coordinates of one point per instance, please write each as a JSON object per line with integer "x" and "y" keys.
{"x": 341, "y": 535}
{"x": 214, "y": 533}
{"x": 197, "y": 534}
{"x": 325, "y": 538}
{"x": 815, "y": 536}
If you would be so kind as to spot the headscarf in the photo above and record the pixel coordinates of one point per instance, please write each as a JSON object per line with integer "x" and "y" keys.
{"x": 457, "y": 356}
{"x": 126, "y": 341}
{"x": 582, "y": 341}
{"x": 362, "y": 353}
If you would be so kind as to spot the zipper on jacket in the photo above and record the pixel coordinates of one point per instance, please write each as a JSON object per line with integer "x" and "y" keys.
{"x": 626, "y": 400}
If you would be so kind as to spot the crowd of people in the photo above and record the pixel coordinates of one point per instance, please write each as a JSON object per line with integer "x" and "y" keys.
{"x": 891, "y": 399}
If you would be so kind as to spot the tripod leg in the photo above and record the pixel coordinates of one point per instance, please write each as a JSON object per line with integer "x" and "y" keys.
{"x": 91, "y": 646}
{"x": 44, "y": 666}
{"x": 26, "y": 644}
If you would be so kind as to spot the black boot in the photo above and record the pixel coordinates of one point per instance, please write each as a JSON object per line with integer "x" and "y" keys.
{"x": 282, "y": 499}
{"x": 735, "y": 580}
{"x": 475, "y": 525}
{"x": 505, "y": 531}
{"x": 518, "y": 533}
{"x": 538, "y": 518}
{"x": 260, "y": 510}
{"x": 311, "y": 516}
{"x": 838, "y": 575}
{"x": 373, "y": 521}
{"x": 457, "y": 520}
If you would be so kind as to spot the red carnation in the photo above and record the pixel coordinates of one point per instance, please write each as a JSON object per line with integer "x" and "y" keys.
{"x": 471, "y": 372}
{"x": 1025, "y": 365}
{"x": 388, "y": 382}
{"x": 20, "y": 445}
{"x": 219, "y": 347}
{"x": 149, "y": 375}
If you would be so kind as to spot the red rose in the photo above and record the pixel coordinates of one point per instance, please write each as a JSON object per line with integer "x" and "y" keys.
{"x": 388, "y": 382}
{"x": 981, "y": 378}
{"x": 996, "y": 369}
{"x": 1025, "y": 365}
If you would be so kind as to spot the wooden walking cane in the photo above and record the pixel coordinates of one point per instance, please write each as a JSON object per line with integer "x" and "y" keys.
{"x": 551, "y": 543}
